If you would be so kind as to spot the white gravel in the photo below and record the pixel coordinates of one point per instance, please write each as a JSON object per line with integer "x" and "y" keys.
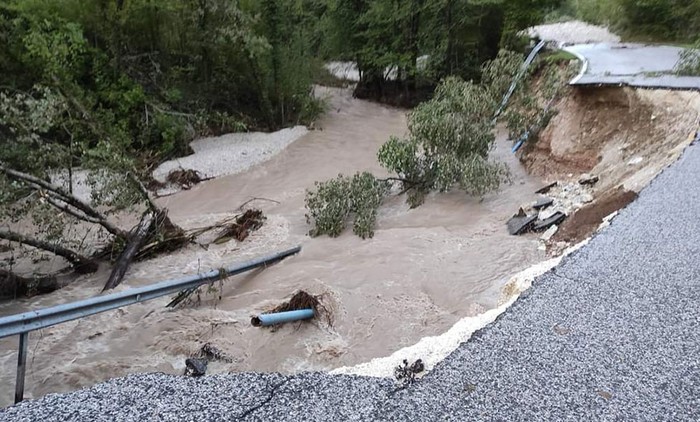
{"x": 573, "y": 32}
{"x": 231, "y": 153}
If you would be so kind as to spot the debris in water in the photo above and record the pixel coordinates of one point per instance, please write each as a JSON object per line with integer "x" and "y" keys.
{"x": 588, "y": 179}
{"x": 195, "y": 367}
{"x": 264, "y": 320}
{"x": 543, "y": 203}
{"x": 300, "y": 300}
{"x": 211, "y": 352}
{"x": 249, "y": 221}
{"x": 185, "y": 178}
{"x": 406, "y": 374}
{"x": 521, "y": 223}
{"x": 546, "y": 189}
{"x": 542, "y": 225}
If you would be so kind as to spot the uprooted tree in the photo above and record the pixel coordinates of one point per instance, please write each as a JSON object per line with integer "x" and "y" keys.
{"x": 449, "y": 139}
{"x": 448, "y": 145}
{"x": 39, "y": 203}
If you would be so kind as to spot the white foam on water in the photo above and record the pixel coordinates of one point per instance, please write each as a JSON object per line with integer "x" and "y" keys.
{"x": 432, "y": 350}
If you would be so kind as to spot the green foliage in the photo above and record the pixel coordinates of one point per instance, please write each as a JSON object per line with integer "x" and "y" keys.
{"x": 689, "y": 63}
{"x": 497, "y": 74}
{"x": 152, "y": 75}
{"x": 335, "y": 201}
{"x": 450, "y": 137}
{"x": 648, "y": 20}
{"x": 530, "y": 107}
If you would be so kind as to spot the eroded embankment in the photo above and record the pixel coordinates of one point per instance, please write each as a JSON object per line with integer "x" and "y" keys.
{"x": 623, "y": 136}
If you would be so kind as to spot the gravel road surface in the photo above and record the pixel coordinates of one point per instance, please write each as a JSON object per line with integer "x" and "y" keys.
{"x": 612, "y": 333}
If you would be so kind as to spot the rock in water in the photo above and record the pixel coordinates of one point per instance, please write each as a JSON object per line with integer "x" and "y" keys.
{"x": 195, "y": 367}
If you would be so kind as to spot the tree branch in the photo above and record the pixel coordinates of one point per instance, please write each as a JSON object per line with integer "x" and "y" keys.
{"x": 80, "y": 263}
{"x": 65, "y": 208}
{"x": 69, "y": 199}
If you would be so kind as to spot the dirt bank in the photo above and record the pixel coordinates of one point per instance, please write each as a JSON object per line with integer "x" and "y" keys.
{"x": 623, "y": 136}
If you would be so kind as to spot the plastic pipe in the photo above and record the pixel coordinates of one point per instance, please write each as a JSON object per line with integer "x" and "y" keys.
{"x": 263, "y": 320}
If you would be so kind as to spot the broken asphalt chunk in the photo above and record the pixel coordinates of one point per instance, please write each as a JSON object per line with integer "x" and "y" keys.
{"x": 588, "y": 179}
{"x": 556, "y": 218}
{"x": 521, "y": 224}
{"x": 543, "y": 203}
{"x": 546, "y": 189}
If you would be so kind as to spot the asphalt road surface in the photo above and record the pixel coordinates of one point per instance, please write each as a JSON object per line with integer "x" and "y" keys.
{"x": 636, "y": 65}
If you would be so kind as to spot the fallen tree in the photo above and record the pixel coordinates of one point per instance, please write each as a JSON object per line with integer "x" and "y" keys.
{"x": 81, "y": 264}
{"x": 38, "y": 203}
{"x": 137, "y": 237}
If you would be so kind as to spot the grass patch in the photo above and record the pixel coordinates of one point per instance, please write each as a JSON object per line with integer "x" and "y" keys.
{"x": 559, "y": 57}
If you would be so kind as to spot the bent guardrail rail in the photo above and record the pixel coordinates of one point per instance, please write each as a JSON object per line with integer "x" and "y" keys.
{"x": 26, "y": 322}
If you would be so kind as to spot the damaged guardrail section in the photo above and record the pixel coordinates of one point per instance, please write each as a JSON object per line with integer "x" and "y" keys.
{"x": 24, "y": 323}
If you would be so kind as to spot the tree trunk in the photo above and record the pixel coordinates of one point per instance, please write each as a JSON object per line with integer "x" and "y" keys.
{"x": 136, "y": 239}
{"x": 81, "y": 264}
{"x": 58, "y": 193}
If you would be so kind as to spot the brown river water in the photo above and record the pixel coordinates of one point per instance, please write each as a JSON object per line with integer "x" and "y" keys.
{"x": 424, "y": 270}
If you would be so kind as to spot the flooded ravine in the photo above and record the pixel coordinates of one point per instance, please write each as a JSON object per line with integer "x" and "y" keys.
{"x": 424, "y": 270}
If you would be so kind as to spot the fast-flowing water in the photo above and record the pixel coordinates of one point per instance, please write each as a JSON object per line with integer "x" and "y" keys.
{"x": 423, "y": 270}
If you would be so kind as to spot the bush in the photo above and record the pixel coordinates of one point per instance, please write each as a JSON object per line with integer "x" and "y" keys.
{"x": 336, "y": 200}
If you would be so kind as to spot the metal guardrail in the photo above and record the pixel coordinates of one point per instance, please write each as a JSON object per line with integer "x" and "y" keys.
{"x": 521, "y": 72}
{"x": 26, "y": 322}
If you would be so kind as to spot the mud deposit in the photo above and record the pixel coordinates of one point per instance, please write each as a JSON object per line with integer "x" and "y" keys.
{"x": 423, "y": 271}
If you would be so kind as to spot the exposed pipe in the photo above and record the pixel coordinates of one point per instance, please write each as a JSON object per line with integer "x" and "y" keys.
{"x": 25, "y": 322}
{"x": 263, "y": 320}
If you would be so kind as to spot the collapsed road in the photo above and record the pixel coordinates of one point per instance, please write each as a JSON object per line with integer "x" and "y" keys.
{"x": 611, "y": 333}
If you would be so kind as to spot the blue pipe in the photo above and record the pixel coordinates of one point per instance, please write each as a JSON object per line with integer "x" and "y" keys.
{"x": 263, "y": 320}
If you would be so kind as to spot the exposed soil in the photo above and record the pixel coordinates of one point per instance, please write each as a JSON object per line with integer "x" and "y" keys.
{"x": 586, "y": 220}
{"x": 621, "y": 136}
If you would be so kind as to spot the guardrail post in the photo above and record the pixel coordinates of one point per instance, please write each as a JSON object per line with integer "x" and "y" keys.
{"x": 21, "y": 366}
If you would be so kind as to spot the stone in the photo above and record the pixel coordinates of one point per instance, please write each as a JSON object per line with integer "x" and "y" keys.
{"x": 588, "y": 179}
{"x": 195, "y": 367}
{"x": 549, "y": 233}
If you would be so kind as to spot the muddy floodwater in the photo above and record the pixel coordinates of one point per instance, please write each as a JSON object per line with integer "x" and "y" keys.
{"x": 423, "y": 271}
